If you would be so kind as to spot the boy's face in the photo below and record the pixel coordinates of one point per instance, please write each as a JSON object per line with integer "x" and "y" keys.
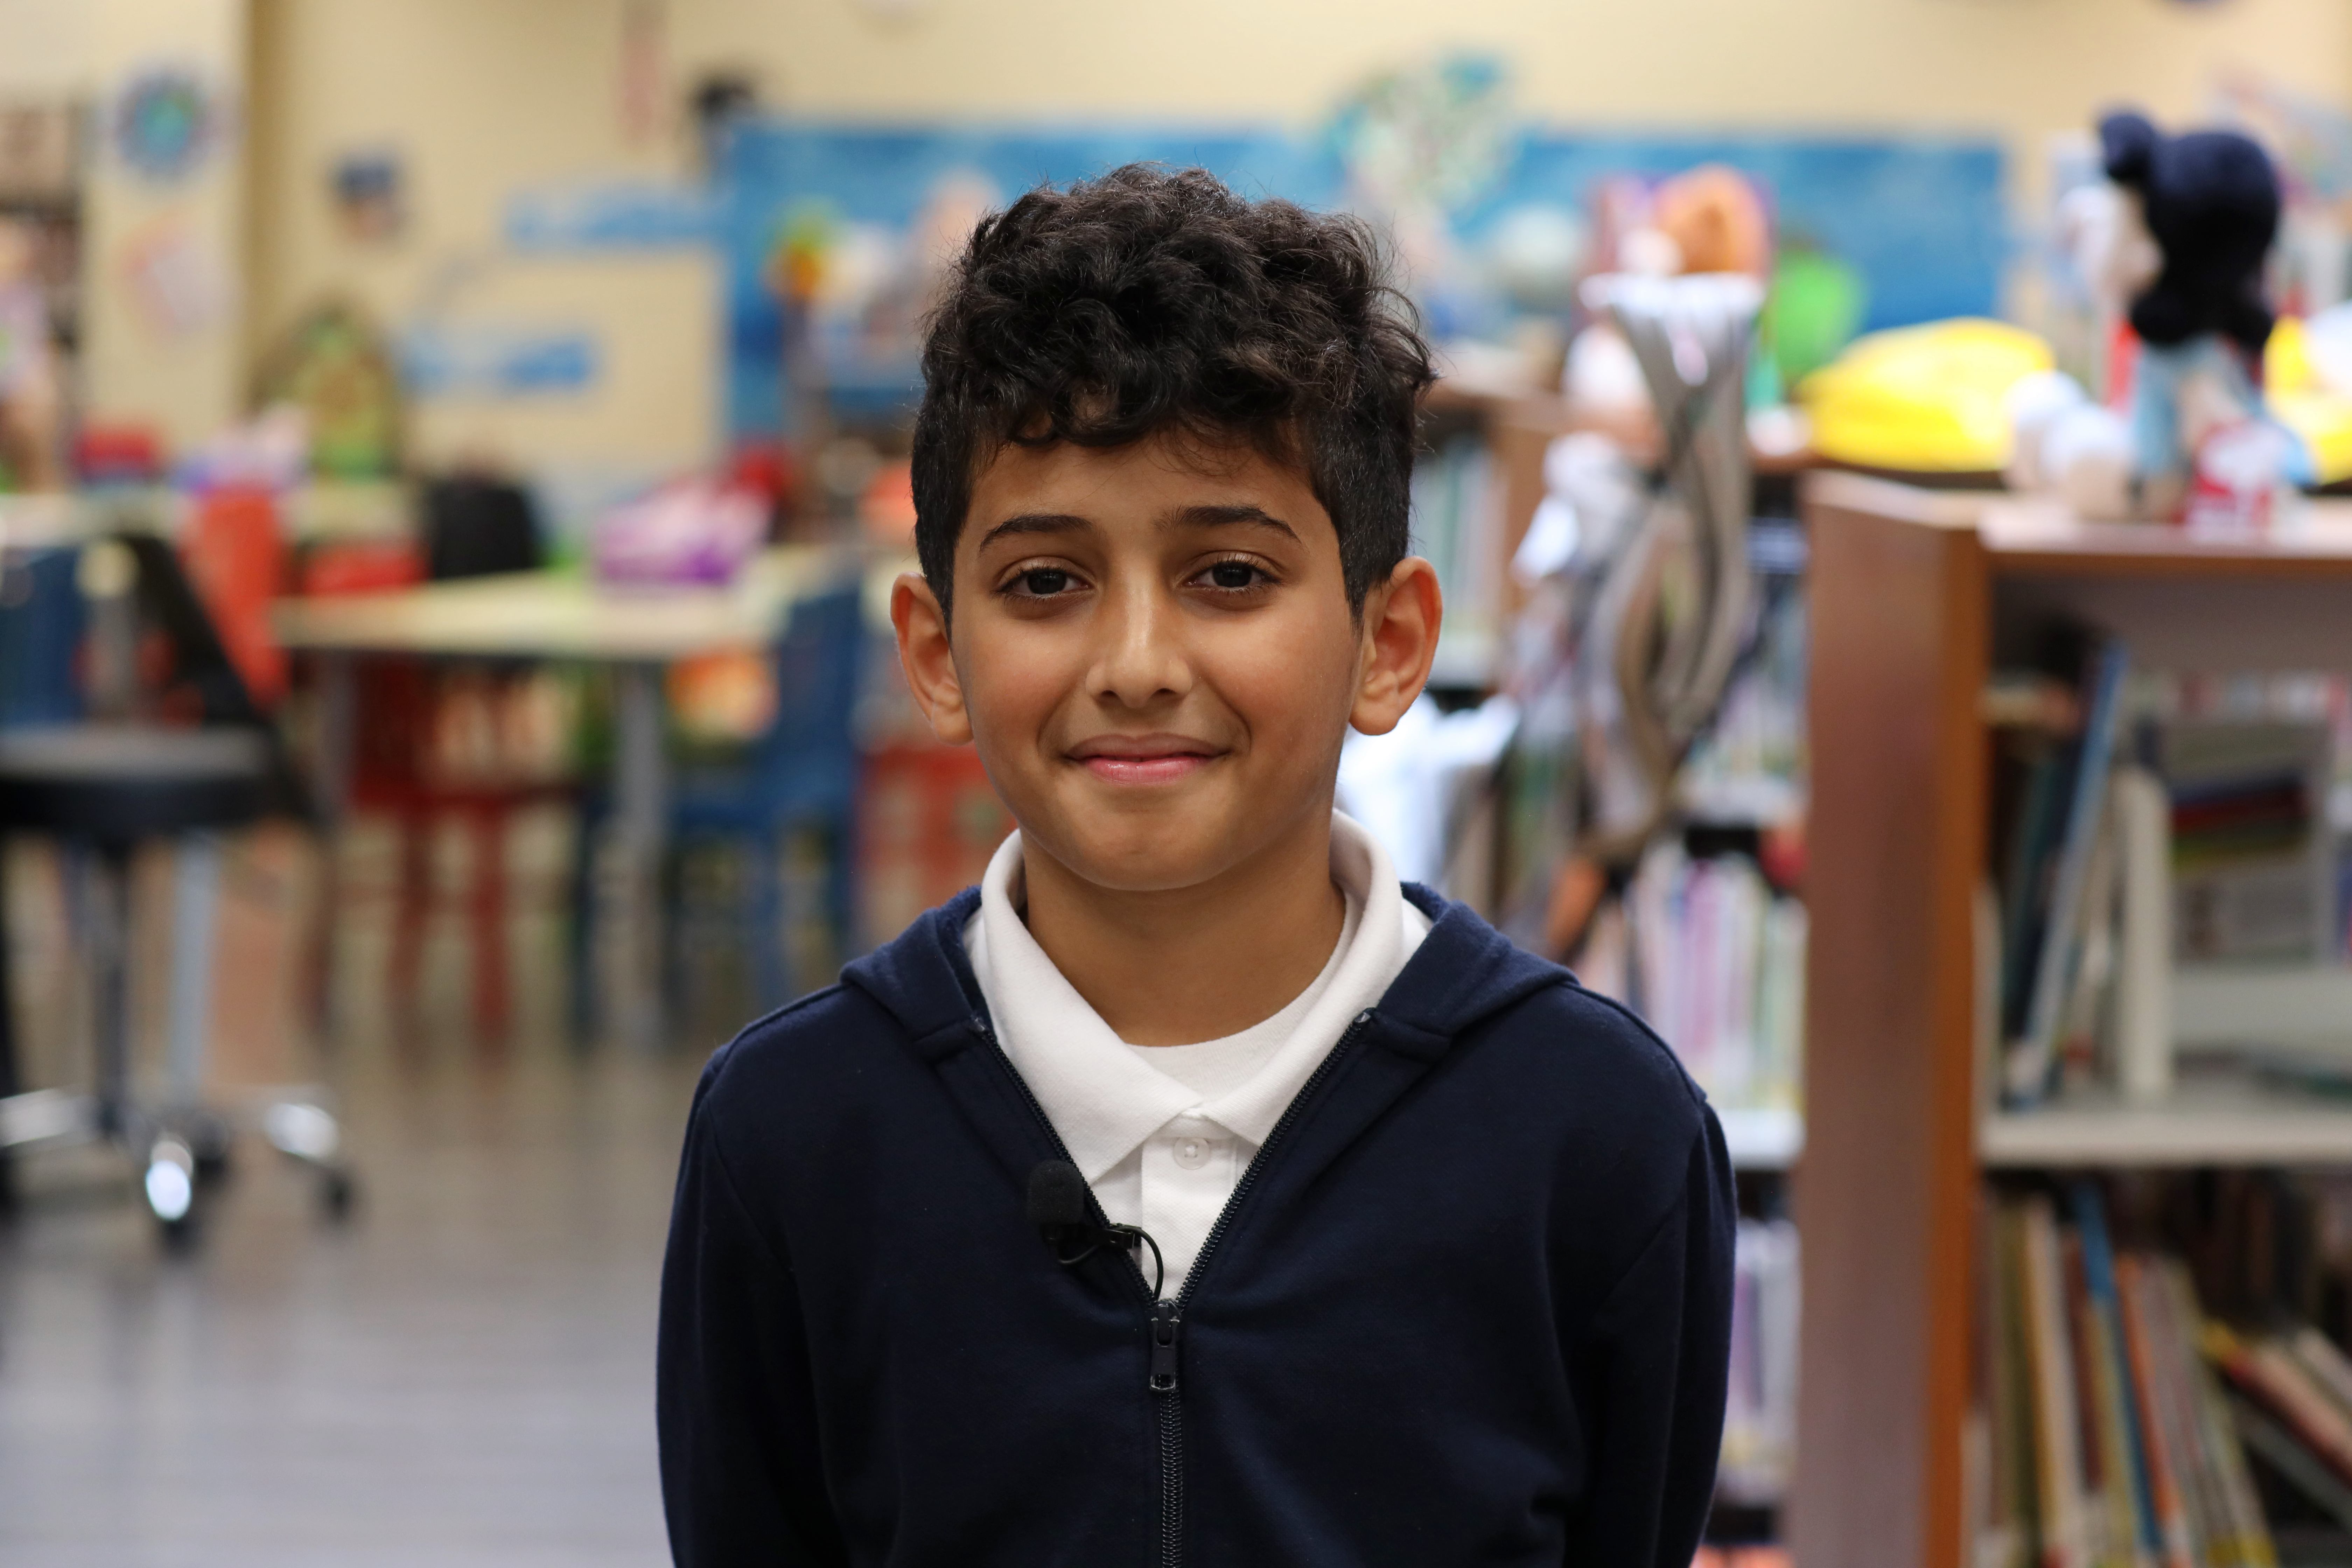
{"x": 1153, "y": 650}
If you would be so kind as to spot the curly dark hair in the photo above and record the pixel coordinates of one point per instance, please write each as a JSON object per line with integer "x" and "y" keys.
{"x": 1150, "y": 300}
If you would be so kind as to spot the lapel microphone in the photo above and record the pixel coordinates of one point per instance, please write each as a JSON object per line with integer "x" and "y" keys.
{"x": 1062, "y": 1208}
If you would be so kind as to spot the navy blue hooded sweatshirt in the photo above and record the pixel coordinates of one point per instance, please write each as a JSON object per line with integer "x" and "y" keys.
{"x": 1470, "y": 1304}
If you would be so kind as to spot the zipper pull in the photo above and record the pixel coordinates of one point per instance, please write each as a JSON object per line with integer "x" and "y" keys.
{"x": 1167, "y": 1336}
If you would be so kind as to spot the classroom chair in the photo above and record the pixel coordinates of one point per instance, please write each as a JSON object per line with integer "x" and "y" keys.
{"x": 927, "y": 822}
{"x": 103, "y": 789}
{"x": 236, "y": 558}
{"x": 801, "y": 774}
{"x": 41, "y": 622}
{"x": 473, "y": 526}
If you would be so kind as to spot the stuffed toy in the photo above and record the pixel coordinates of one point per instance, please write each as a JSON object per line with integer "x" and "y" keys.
{"x": 2210, "y": 200}
{"x": 2205, "y": 449}
{"x": 2062, "y": 444}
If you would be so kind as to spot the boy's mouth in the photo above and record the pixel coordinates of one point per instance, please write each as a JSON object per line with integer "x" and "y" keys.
{"x": 1142, "y": 759}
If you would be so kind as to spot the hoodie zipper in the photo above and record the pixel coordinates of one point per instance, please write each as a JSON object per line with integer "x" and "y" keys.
{"x": 1167, "y": 1320}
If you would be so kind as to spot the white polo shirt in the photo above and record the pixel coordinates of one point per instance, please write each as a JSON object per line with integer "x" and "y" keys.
{"x": 1164, "y": 1132}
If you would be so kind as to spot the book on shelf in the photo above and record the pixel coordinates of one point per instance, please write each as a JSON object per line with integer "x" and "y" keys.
{"x": 1714, "y": 959}
{"x": 1748, "y": 767}
{"x": 2131, "y": 1511}
{"x": 2266, "y": 1372}
{"x": 2289, "y": 1398}
{"x": 2278, "y": 1447}
{"x": 1458, "y": 523}
{"x": 2110, "y": 1441}
{"x": 2113, "y": 1018}
{"x": 2165, "y": 1442}
{"x": 2050, "y": 865}
{"x": 1759, "y": 1425}
{"x": 2254, "y": 870}
{"x": 2032, "y": 700}
{"x": 2152, "y": 822}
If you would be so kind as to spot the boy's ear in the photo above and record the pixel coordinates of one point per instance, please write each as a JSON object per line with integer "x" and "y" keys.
{"x": 1401, "y": 617}
{"x": 929, "y": 661}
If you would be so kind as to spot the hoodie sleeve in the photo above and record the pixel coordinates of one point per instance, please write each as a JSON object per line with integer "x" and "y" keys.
{"x": 741, "y": 1477}
{"x": 1659, "y": 1350}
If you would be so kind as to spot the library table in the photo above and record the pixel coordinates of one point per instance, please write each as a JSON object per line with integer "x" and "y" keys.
{"x": 554, "y": 615}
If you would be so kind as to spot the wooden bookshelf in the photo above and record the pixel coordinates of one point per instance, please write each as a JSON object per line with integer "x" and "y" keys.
{"x": 1912, "y": 592}
{"x": 2274, "y": 1006}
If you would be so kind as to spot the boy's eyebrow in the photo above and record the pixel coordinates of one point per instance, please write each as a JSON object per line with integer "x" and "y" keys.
{"x": 1034, "y": 522}
{"x": 1221, "y": 516}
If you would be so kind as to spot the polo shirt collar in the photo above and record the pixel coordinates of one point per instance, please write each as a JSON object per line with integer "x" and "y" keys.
{"x": 1103, "y": 1098}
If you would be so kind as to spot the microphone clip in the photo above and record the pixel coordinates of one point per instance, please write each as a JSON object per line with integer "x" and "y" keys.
{"x": 1062, "y": 1208}
{"x": 1122, "y": 1236}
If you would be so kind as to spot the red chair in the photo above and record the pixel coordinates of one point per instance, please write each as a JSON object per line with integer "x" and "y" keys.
{"x": 236, "y": 561}
{"x": 927, "y": 822}
{"x": 405, "y": 710}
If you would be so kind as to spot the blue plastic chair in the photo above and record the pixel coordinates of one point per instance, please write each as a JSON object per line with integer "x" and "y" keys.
{"x": 801, "y": 774}
{"x": 42, "y": 618}
{"x": 100, "y": 790}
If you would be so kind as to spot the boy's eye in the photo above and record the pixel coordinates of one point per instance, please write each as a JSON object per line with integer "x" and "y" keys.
{"x": 1234, "y": 575}
{"x": 1043, "y": 581}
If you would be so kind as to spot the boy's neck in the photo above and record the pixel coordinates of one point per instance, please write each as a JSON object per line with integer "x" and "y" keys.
{"x": 1187, "y": 964}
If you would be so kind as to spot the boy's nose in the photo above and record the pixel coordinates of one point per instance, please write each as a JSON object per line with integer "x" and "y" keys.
{"x": 1141, "y": 657}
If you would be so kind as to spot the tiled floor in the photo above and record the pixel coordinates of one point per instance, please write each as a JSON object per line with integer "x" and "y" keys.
{"x": 461, "y": 1376}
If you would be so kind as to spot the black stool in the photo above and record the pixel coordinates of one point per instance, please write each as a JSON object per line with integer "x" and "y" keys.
{"x": 106, "y": 788}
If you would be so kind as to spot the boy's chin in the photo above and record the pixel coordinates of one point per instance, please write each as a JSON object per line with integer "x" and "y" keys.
{"x": 1137, "y": 856}
{"x": 1161, "y": 867}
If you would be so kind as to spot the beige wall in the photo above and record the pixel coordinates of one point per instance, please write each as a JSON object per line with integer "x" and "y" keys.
{"x": 480, "y": 98}
{"x": 48, "y": 46}
{"x": 181, "y": 371}
{"x": 483, "y": 96}
{"x": 2017, "y": 66}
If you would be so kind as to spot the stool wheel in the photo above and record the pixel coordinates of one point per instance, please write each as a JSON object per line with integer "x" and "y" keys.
{"x": 337, "y": 1193}
{"x": 168, "y": 1185}
{"x": 212, "y": 1141}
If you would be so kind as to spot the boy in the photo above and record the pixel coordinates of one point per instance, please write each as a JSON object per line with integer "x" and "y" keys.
{"x": 1439, "y": 1245}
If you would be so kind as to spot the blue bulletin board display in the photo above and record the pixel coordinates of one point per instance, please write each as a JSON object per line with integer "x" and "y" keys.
{"x": 1924, "y": 221}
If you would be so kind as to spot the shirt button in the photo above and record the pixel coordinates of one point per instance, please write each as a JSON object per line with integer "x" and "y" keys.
{"x": 1191, "y": 1153}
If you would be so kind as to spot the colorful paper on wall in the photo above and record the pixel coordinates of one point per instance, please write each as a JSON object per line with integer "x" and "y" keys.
{"x": 1921, "y": 222}
{"x": 444, "y": 360}
{"x": 610, "y": 215}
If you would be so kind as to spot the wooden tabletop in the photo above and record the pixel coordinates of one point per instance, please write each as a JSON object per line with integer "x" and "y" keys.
{"x": 564, "y": 614}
